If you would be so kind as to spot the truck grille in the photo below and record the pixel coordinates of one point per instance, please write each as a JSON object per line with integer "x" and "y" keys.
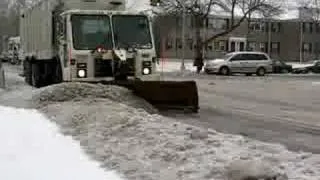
{"x": 102, "y": 68}
{"x": 131, "y": 65}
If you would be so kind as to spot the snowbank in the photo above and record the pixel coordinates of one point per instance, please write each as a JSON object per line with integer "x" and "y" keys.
{"x": 32, "y": 148}
{"x": 78, "y": 91}
{"x": 17, "y": 93}
{"x": 174, "y": 66}
{"x": 298, "y": 65}
{"x": 145, "y": 146}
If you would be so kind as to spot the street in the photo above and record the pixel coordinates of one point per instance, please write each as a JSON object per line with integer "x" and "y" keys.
{"x": 277, "y": 108}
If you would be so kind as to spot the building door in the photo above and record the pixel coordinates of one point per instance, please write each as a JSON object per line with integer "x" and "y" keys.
{"x": 237, "y": 44}
{"x": 241, "y": 46}
{"x": 232, "y": 46}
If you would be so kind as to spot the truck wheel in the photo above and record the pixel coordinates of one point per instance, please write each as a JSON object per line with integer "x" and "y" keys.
{"x": 27, "y": 72}
{"x": 121, "y": 75}
{"x": 58, "y": 74}
{"x": 35, "y": 76}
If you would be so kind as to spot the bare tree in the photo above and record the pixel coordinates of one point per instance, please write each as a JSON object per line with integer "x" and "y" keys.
{"x": 237, "y": 11}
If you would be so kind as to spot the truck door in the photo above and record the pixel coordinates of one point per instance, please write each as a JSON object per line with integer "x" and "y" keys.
{"x": 63, "y": 47}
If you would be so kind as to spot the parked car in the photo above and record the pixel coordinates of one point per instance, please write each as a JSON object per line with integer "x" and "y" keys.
{"x": 311, "y": 68}
{"x": 278, "y": 66}
{"x": 243, "y": 62}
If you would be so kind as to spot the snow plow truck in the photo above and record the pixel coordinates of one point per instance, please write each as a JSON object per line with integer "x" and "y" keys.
{"x": 97, "y": 41}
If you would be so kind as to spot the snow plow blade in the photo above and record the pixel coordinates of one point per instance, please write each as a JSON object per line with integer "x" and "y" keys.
{"x": 164, "y": 95}
{"x": 169, "y": 95}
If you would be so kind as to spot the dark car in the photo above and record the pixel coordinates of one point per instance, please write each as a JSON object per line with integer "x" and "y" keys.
{"x": 278, "y": 66}
{"x": 312, "y": 68}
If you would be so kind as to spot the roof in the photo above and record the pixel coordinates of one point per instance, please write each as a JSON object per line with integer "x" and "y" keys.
{"x": 78, "y": 11}
{"x": 247, "y": 52}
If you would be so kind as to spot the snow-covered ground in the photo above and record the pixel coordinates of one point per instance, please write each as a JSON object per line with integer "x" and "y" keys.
{"x": 145, "y": 145}
{"x": 168, "y": 65}
{"x": 33, "y": 148}
{"x": 299, "y": 65}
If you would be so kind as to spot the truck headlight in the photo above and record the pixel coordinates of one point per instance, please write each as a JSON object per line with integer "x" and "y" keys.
{"x": 82, "y": 73}
{"x": 146, "y": 71}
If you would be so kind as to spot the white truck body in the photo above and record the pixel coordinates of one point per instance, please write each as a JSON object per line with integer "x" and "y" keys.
{"x": 36, "y": 23}
{"x": 49, "y": 34}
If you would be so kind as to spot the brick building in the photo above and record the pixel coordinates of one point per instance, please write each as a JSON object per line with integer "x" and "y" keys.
{"x": 289, "y": 40}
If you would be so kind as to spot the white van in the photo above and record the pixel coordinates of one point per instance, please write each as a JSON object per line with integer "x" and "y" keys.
{"x": 241, "y": 62}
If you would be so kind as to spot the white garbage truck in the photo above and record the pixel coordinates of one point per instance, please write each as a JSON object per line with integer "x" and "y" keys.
{"x": 97, "y": 41}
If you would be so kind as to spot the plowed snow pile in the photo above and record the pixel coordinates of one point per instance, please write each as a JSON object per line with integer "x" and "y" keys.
{"x": 80, "y": 91}
{"x": 147, "y": 146}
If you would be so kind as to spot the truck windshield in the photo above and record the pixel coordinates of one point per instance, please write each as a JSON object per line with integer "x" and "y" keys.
{"x": 90, "y": 31}
{"x": 131, "y": 30}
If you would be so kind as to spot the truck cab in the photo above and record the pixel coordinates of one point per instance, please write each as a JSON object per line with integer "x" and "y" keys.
{"x": 101, "y": 45}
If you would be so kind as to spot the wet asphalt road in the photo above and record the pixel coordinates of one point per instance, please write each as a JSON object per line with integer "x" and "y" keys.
{"x": 281, "y": 109}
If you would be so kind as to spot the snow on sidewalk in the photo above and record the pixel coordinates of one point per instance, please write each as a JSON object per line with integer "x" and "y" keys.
{"x": 33, "y": 149}
{"x": 174, "y": 66}
{"x": 299, "y": 65}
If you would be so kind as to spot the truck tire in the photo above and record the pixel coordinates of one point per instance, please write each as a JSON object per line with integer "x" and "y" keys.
{"x": 57, "y": 73}
{"x": 121, "y": 75}
{"x": 35, "y": 76}
{"x": 27, "y": 72}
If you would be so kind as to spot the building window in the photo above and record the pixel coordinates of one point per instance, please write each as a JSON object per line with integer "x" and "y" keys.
{"x": 190, "y": 43}
{"x": 210, "y": 23}
{"x": 275, "y": 27}
{"x": 220, "y": 45}
{"x": 257, "y": 26}
{"x": 188, "y": 22}
{"x": 223, "y": 46}
{"x": 275, "y": 47}
{"x": 307, "y": 47}
{"x": 263, "y": 47}
{"x": 252, "y": 46}
{"x": 307, "y": 27}
{"x": 214, "y": 23}
{"x": 317, "y": 27}
{"x": 169, "y": 43}
{"x": 317, "y": 48}
{"x": 178, "y": 43}
{"x": 179, "y": 22}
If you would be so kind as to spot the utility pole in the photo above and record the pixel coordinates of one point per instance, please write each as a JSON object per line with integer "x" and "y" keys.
{"x": 269, "y": 36}
{"x": 301, "y": 40}
{"x": 2, "y": 76}
{"x": 183, "y": 67}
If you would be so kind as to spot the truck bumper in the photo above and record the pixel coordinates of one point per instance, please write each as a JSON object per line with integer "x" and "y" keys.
{"x": 151, "y": 77}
